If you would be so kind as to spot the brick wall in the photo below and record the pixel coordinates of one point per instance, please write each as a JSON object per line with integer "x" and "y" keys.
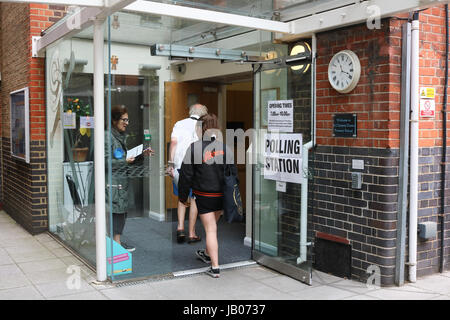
{"x": 15, "y": 65}
{"x": 1, "y": 160}
{"x": 432, "y": 73}
{"x": 368, "y": 217}
{"x": 24, "y": 187}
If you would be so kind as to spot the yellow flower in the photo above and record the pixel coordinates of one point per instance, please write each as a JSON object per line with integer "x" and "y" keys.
{"x": 78, "y": 107}
{"x": 83, "y": 131}
{"x": 69, "y": 111}
{"x": 76, "y": 100}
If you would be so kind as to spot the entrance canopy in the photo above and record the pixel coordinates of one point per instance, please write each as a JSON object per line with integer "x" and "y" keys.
{"x": 212, "y": 20}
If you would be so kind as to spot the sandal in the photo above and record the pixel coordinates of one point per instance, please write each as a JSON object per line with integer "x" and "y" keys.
{"x": 180, "y": 236}
{"x": 194, "y": 239}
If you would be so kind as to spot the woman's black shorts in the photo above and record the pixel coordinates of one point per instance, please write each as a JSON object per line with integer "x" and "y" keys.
{"x": 208, "y": 202}
{"x": 119, "y": 222}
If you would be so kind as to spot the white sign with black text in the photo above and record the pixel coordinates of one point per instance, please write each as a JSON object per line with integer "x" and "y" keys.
{"x": 281, "y": 186}
{"x": 280, "y": 115}
{"x": 283, "y": 157}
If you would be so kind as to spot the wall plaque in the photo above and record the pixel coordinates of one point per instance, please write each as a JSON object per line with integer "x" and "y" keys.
{"x": 344, "y": 125}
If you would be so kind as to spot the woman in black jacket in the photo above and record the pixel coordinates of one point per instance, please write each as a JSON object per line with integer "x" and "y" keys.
{"x": 203, "y": 171}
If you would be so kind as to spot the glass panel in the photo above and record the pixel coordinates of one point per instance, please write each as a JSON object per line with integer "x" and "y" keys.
{"x": 135, "y": 81}
{"x": 279, "y": 219}
{"x": 283, "y": 4}
{"x": 254, "y": 8}
{"x": 148, "y": 29}
{"x": 156, "y": 99}
{"x": 70, "y": 145}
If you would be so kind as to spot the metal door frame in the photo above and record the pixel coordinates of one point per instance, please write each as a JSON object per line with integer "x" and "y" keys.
{"x": 302, "y": 273}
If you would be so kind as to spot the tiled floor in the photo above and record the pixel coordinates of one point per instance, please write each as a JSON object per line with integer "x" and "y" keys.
{"x": 38, "y": 267}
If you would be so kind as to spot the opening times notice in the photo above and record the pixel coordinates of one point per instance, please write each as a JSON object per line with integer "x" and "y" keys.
{"x": 280, "y": 115}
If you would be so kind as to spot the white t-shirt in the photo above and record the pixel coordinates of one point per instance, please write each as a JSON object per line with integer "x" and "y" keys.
{"x": 184, "y": 132}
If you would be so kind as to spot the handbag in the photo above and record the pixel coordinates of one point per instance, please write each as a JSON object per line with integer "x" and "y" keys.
{"x": 232, "y": 202}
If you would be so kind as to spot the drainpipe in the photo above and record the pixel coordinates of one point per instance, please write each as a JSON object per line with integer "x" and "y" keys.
{"x": 414, "y": 148}
{"x": 444, "y": 145}
{"x": 404, "y": 156}
{"x": 305, "y": 154}
{"x": 313, "y": 87}
{"x": 99, "y": 150}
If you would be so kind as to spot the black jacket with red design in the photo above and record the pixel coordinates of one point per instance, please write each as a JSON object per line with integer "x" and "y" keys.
{"x": 203, "y": 168}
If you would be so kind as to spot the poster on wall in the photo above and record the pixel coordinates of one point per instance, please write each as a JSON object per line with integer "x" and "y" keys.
{"x": 20, "y": 124}
{"x": 280, "y": 115}
{"x": 283, "y": 157}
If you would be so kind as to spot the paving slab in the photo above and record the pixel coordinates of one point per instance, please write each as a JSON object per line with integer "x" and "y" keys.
{"x": 63, "y": 288}
{"x": 22, "y": 293}
{"x": 353, "y": 286}
{"x": 5, "y": 258}
{"x": 435, "y": 283}
{"x": 95, "y": 295}
{"x": 29, "y": 256}
{"x": 12, "y": 277}
{"x": 323, "y": 292}
{"x": 257, "y": 272}
{"x": 361, "y": 297}
{"x": 403, "y": 293}
{"x": 55, "y": 275}
{"x": 134, "y": 292}
{"x": 320, "y": 277}
{"x": 284, "y": 284}
{"x": 41, "y": 265}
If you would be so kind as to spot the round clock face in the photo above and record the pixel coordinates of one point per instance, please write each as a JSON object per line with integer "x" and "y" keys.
{"x": 344, "y": 71}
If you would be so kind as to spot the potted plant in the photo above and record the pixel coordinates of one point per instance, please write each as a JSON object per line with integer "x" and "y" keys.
{"x": 79, "y": 137}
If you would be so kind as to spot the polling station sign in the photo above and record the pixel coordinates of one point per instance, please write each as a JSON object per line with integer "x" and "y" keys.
{"x": 283, "y": 157}
{"x": 280, "y": 115}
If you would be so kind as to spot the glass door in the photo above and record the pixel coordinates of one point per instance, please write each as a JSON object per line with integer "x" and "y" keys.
{"x": 281, "y": 171}
{"x": 139, "y": 237}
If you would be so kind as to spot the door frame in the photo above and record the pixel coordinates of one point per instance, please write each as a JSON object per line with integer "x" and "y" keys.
{"x": 302, "y": 272}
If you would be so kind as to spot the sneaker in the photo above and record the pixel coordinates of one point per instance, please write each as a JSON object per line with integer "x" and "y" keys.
{"x": 213, "y": 272}
{"x": 201, "y": 254}
{"x": 127, "y": 247}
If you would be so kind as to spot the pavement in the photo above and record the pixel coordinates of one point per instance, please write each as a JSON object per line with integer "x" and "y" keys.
{"x": 40, "y": 268}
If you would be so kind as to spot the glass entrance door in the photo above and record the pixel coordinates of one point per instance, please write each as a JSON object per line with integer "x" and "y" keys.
{"x": 139, "y": 237}
{"x": 281, "y": 174}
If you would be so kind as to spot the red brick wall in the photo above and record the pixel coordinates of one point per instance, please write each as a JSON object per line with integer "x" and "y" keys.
{"x": 376, "y": 101}
{"x": 432, "y": 64}
{"x": 41, "y": 17}
{"x": 24, "y": 186}
{"x": 1, "y": 173}
{"x": 376, "y": 98}
{"x": 432, "y": 74}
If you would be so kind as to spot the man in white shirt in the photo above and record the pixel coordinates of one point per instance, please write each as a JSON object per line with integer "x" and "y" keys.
{"x": 183, "y": 134}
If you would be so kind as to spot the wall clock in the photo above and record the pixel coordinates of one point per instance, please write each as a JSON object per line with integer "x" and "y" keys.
{"x": 344, "y": 71}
